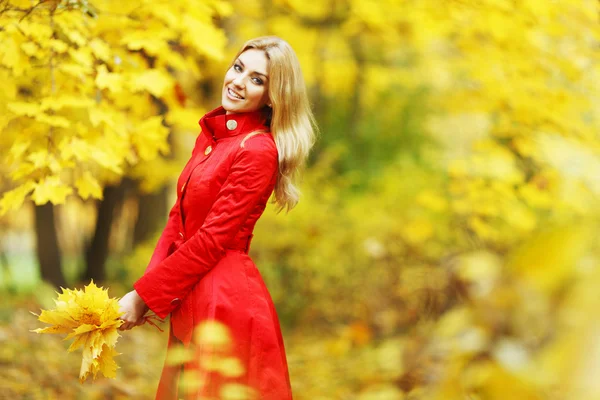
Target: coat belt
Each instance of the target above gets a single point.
(241, 243)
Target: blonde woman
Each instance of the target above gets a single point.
(200, 272)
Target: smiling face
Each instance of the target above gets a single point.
(245, 87)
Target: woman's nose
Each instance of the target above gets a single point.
(239, 81)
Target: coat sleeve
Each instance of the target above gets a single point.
(251, 175)
(168, 236)
(171, 232)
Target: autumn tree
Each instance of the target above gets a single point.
(91, 91)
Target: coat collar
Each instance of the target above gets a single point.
(216, 123)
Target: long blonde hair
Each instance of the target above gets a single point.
(292, 121)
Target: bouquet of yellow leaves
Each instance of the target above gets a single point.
(92, 318)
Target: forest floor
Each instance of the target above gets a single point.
(35, 366)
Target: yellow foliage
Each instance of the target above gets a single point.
(50, 189)
(178, 355)
(88, 186)
(213, 334)
(13, 199)
(496, 384)
(211, 351)
(382, 392)
(546, 261)
(153, 81)
(190, 381)
(417, 232)
(92, 319)
(150, 138)
(498, 316)
(83, 89)
(230, 367)
(111, 81)
(236, 391)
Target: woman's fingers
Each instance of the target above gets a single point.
(128, 324)
(133, 309)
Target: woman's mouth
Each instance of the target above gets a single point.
(234, 95)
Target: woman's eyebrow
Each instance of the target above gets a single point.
(260, 73)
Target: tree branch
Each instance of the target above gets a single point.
(30, 10)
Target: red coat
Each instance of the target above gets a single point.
(200, 270)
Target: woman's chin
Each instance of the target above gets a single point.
(229, 106)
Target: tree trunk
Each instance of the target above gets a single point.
(152, 210)
(97, 250)
(153, 207)
(48, 252)
(361, 66)
(6, 273)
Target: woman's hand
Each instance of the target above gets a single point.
(134, 309)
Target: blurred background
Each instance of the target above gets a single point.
(446, 243)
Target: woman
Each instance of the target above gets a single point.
(200, 270)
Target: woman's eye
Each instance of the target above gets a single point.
(258, 81)
(237, 67)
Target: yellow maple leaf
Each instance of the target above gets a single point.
(185, 119)
(150, 137)
(53, 120)
(152, 45)
(66, 101)
(105, 363)
(18, 148)
(100, 49)
(88, 186)
(154, 81)
(58, 45)
(50, 189)
(91, 318)
(24, 109)
(213, 41)
(107, 80)
(13, 199)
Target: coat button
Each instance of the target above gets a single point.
(183, 187)
(207, 150)
(231, 124)
(181, 234)
(175, 301)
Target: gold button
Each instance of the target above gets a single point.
(183, 187)
(231, 124)
(208, 150)
(181, 234)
